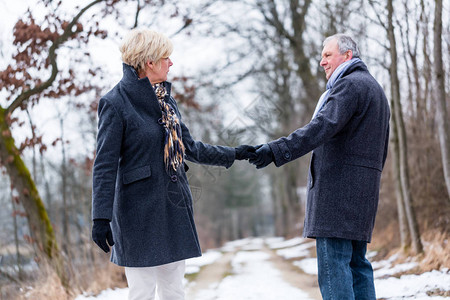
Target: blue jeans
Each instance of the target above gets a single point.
(344, 271)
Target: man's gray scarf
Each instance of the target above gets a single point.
(337, 74)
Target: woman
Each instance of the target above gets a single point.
(142, 202)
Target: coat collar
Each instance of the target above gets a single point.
(131, 80)
(359, 66)
(139, 92)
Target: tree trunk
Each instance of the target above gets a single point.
(41, 230)
(48, 194)
(401, 135)
(65, 219)
(294, 213)
(33, 131)
(299, 49)
(16, 237)
(440, 95)
(402, 222)
(427, 64)
(276, 204)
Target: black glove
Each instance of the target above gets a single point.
(264, 156)
(101, 232)
(245, 152)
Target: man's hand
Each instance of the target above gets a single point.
(245, 152)
(101, 233)
(264, 156)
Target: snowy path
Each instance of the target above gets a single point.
(252, 277)
(274, 268)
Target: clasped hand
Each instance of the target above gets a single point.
(260, 156)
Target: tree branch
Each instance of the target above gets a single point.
(25, 95)
(275, 20)
(380, 22)
(136, 16)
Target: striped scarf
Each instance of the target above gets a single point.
(173, 144)
(337, 74)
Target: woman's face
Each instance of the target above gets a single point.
(158, 71)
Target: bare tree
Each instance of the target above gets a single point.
(402, 220)
(440, 95)
(401, 134)
(33, 41)
(16, 237)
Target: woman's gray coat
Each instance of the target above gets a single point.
(349, 137)
(151, 210)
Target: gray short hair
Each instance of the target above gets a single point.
(345, 43)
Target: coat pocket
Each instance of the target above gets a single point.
(136, 174)
(179, 193)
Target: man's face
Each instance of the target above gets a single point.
(331, 58)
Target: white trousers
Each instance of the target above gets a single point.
(167, 280)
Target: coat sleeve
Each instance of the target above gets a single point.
(109, 139)
(206, 154)
(337, 111)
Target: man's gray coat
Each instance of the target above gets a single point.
(151, 210)
(349, 137)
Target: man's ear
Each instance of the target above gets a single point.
(349, 55)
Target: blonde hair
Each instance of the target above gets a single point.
(142, 45)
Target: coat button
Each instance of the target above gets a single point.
(287, 155)
(174, 178)
(160, 121)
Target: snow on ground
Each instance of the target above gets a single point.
(413, 286)
(302, 250)
(386, 286)
(238, 244)
(308, 265)
(253, 276)
(193, 265)
(389, 270)
(116, 294)
(277, 243)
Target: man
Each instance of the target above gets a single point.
(349, 134)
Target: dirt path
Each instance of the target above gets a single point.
(295, 277)
(211, 275)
